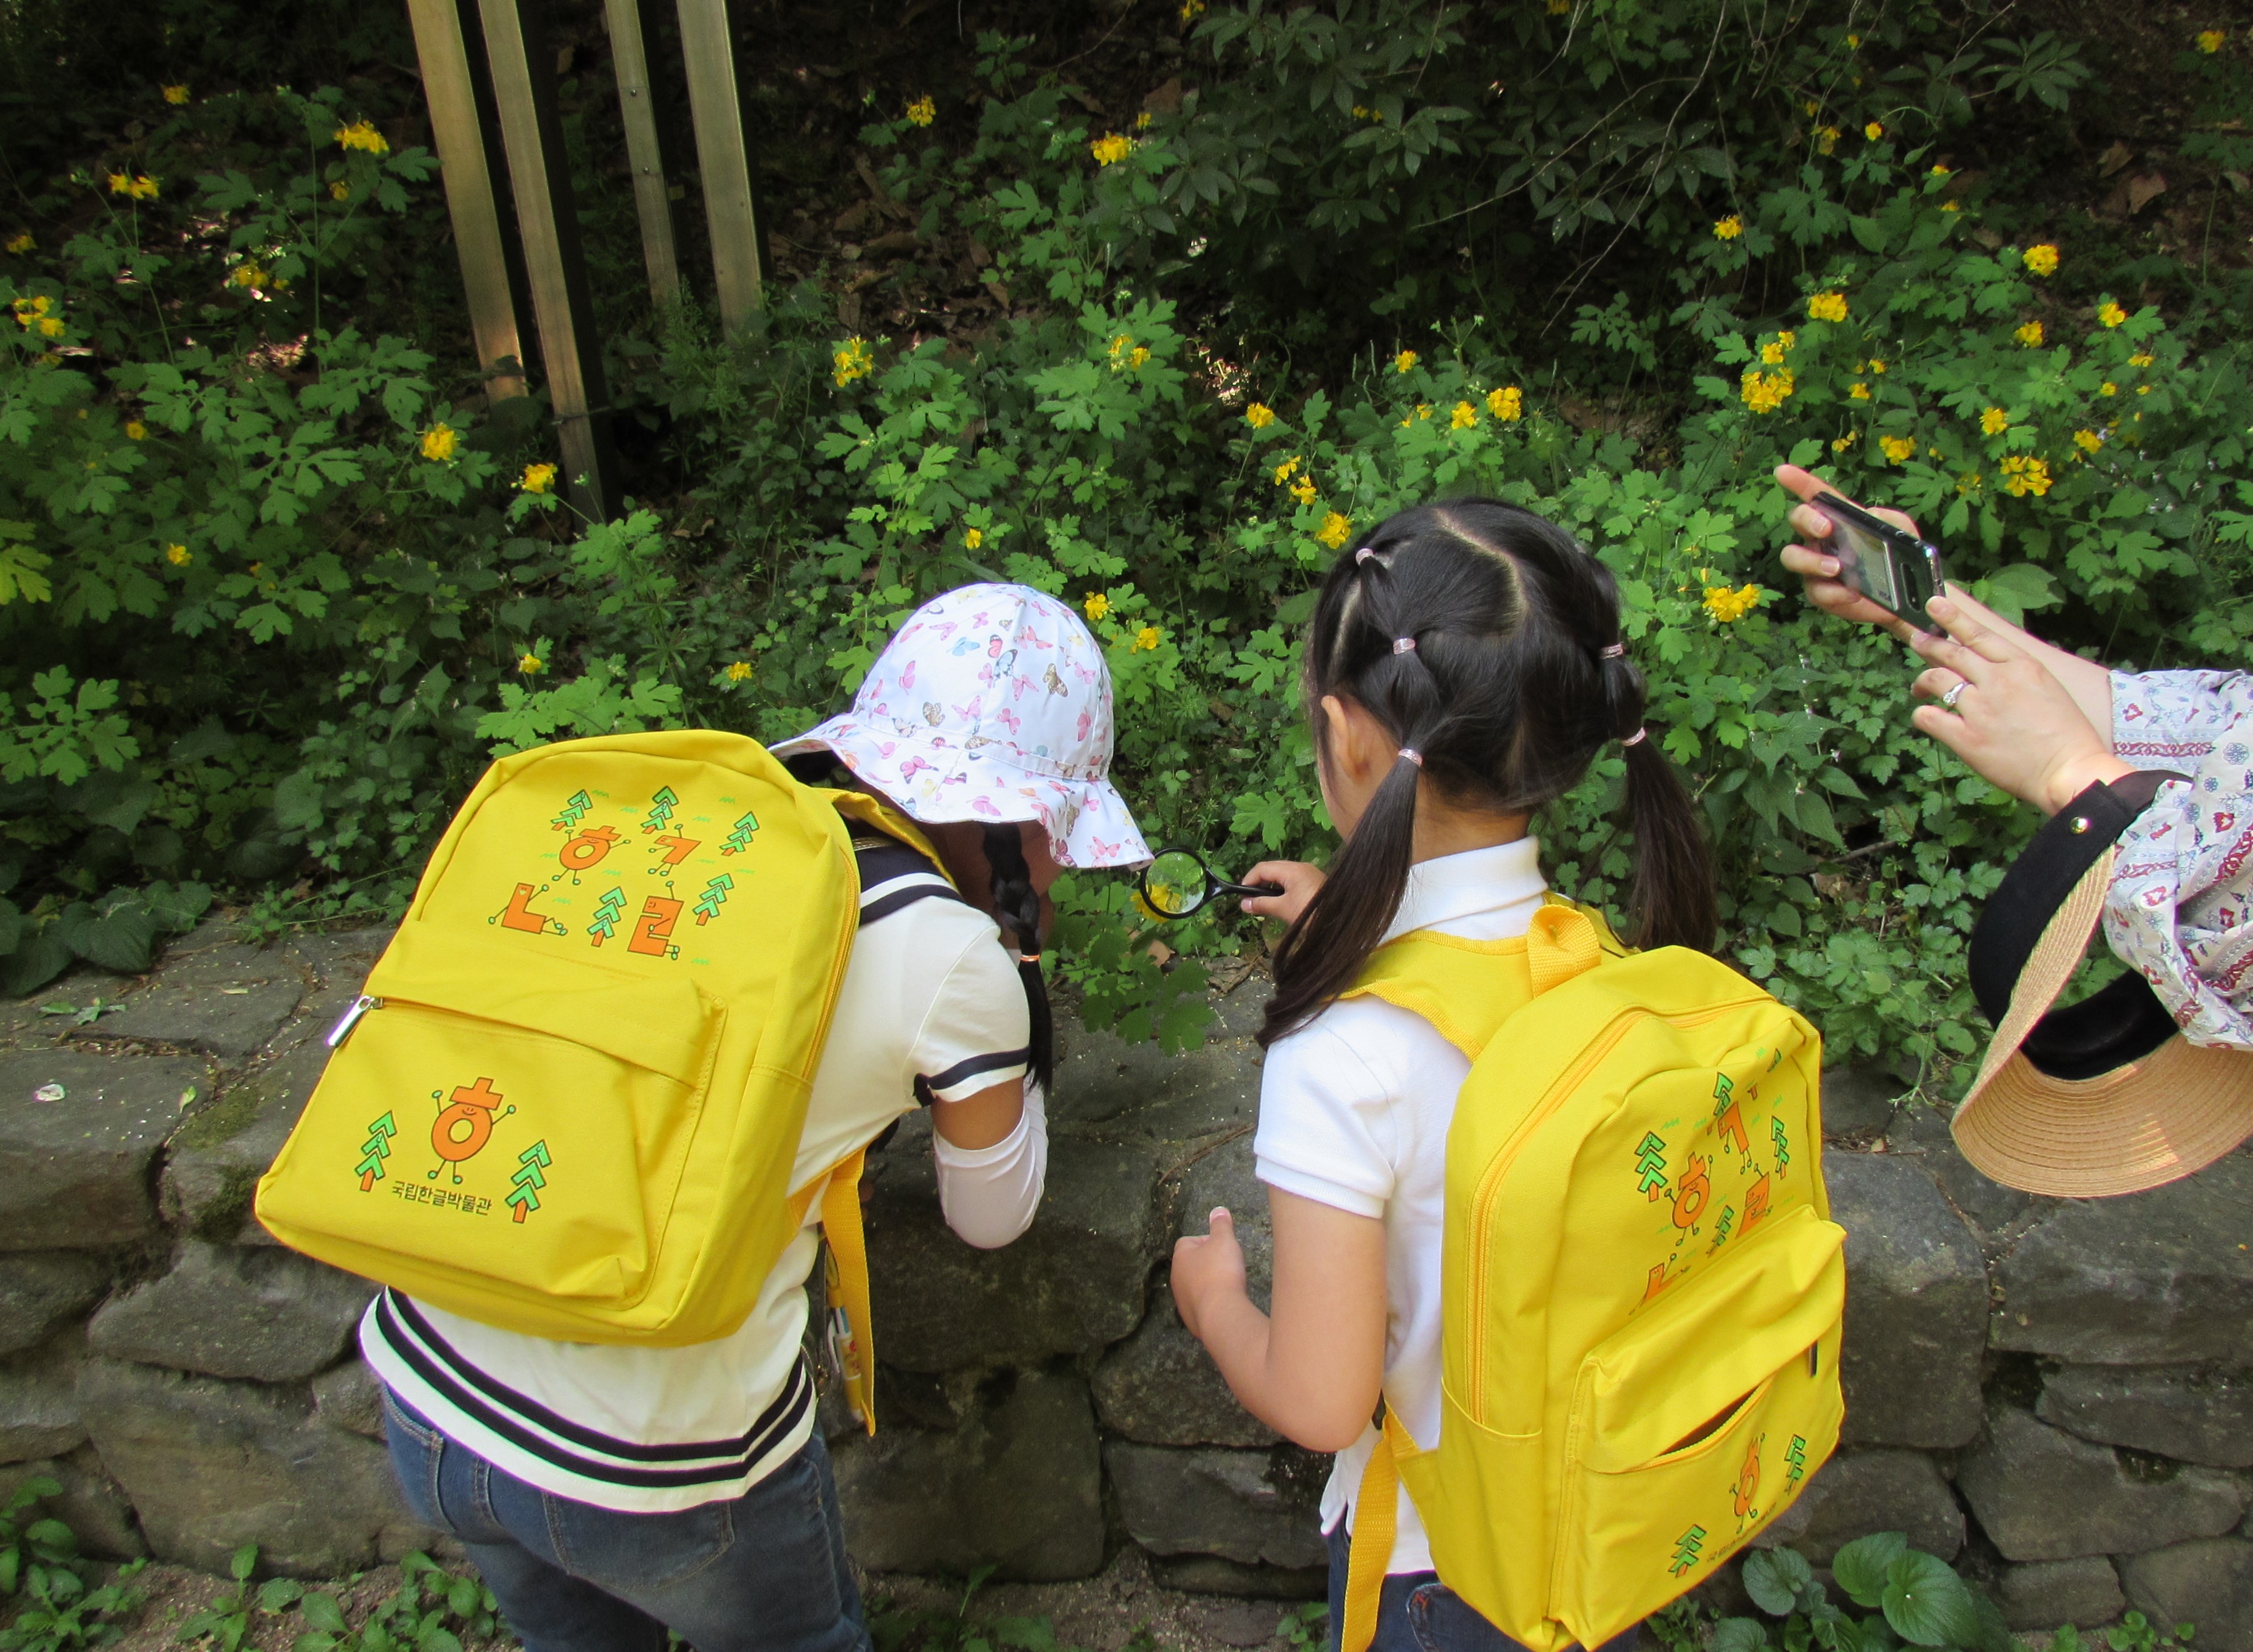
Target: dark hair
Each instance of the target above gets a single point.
(1517, 680)
(1017, 904)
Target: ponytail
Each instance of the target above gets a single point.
(1486, 641)
(1017, 909)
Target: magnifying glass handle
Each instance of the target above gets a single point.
(1260, 889)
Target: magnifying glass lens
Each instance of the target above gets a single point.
(1176, 883)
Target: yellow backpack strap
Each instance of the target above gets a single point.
(1561, 942)
(846, 1272)
(1376, 1519)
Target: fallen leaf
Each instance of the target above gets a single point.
(187, 1098)
(49, 1093)
(2113, 159)
(2145, 189)
(1160, 952)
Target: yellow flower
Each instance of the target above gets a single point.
(1463, 417)
(738, 670)
(1284, 471)
(140, 186)
(362, 135)
(1110, 148)
(1728, 606)
(119, 184)
(851, 360)
(2108, 388)
(136, 431)
(178, 555)
(1765, 392)
(1423, 409)
(1788, 338)
(1951, 207)
(1303, 490)
(1559, 8)
(2040, 260)
(21, 242)
(1146, 639)
(2141, 389)
(246, 276)
(1097, 605)
(2088, 440)
(341, 190)
(1192, 9)
(438, 442)
(1877, 366)
(1141, 357)
(1873, 131)
(1859, 391)
(2209, 40)
(923, 111)
(1405, 361)
(530, 664)
(1143, 122)
(1728, 228)
(1994, 421)
(1899, 449)
(538, 478)
(2030, 335)
(28, 310)
(1337, 528)
(1506, 404)
(1844, 442)
(1772, 354)
(1259, 415)
(1853, 42)
(1827, 139)
(52, 327)
(1939, 170)
(2023, 474)
(1827, 307)
(2110, 314)
(972, 538)
(2141, 358)
(175, 94)
(1967, 482)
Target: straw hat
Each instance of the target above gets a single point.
(992, 703)
(2105, 1096)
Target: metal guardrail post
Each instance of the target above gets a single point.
(475, 198)
(723, 155)
(522, 68)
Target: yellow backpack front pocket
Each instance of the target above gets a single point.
(503, 1127)
(1670, 1461)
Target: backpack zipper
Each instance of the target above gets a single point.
(1491, 1181)
(360, 1006)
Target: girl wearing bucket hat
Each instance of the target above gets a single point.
(610, 1494)
(2149, 784)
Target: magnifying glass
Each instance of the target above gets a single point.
(1178, 883)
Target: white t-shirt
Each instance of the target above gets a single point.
(930, 995)
(1353, 1110)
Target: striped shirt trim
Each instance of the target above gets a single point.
(979, 1072)
(436, 1372)
(889, 896)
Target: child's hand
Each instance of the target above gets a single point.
(1208, 1268)
(1300, 880)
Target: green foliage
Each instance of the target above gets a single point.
(42, 1573)
(431, 1611)
(1918, 1599)
(894, 1627)
(278, 585)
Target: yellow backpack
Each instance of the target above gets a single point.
(569, 1099)
(1642, 1287)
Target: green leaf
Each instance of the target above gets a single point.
(321, 1611)
(1738, 1635)
(2013, 590)
(1774, 1578)
(1860, 1568)
(242, 1562)
(1928, 1604)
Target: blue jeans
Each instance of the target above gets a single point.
(762, 1572)
(1417, 1613)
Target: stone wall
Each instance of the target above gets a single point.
(2056, 1395)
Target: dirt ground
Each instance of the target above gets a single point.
(1120, 1606)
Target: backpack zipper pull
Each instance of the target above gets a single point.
(360, 1006)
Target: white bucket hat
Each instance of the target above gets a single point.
(992, 703)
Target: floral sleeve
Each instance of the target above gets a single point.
(2180, 910)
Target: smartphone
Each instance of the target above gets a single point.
(1898, 571)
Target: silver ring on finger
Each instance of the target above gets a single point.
(1954, 694)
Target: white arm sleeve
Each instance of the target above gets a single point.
(989, 1194)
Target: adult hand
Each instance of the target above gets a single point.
(1207, 1270)
(1299, 882)
(2005, 713)
(1820, 568)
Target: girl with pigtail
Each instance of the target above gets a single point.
(1463, 668)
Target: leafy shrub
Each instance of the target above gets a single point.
(42, 1571)
(278, 587)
